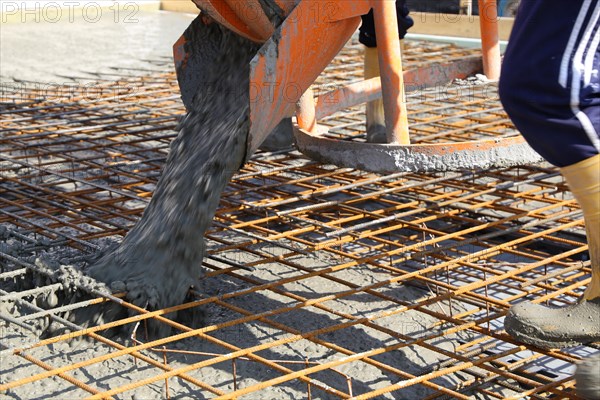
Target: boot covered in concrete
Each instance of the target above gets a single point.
(587, 378)
(580, 323)
(375, 115)
(551, 328)
(376, 132)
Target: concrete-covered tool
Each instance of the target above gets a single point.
(300, 38)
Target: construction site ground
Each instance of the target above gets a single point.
(361, 285)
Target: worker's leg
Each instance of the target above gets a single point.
(375, 116)
(551, 90)
(374, 109)
(583, 179)
(548, 85)
(580, 323)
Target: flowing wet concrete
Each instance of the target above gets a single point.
(161, 257)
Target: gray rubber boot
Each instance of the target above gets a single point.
(374, 109)
(376, 134)
(549, 328)
(587, 377)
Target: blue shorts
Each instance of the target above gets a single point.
(550, 84)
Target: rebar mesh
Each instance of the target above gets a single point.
(362, 285)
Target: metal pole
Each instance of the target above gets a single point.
(490, 46)
(306, 111)
(390, 65)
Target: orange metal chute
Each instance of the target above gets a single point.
(293, 53)
(243, 17)
(289, 63)
(309, 35)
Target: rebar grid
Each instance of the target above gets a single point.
(363, 285)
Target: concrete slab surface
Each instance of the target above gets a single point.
(75, 50)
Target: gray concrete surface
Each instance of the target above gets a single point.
(78, 49)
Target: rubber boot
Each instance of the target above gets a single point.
(281, 138)
(587, 378)
(375, 116)
(580, 323)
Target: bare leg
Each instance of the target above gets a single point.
(580, 323)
